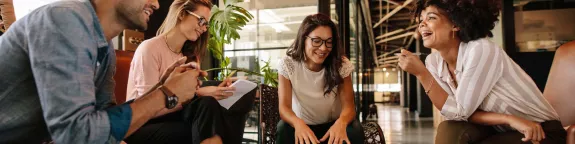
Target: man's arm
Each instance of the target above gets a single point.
(145, 109)
(177, 78)
(62, 56)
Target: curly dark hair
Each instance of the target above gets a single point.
(333, 62)
(475, 18)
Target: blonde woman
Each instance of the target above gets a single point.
(202, 120)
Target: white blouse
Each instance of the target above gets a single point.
(308, 100)
(488, 80)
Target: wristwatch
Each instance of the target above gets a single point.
(171, 98)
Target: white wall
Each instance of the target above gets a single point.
(498, 33)
(384, 81)
(115, 41)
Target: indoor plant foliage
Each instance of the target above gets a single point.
(270, 76)
(224, 26)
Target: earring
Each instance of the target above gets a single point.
(453, 34)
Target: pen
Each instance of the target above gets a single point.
(229, 76)
(417, 54)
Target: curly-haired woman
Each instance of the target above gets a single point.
(486, 97)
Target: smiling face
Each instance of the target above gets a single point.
(435, 27)
(135, 14)
(318, 45)
(190, 24)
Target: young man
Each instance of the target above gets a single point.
(56, 81)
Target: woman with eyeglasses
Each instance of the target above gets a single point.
(183, 35)
(316, 101)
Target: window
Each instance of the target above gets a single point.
(269, 34)
(543, 25)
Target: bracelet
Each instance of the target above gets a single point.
(429, 88)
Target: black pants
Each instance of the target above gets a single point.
(200, 119)
(460, 132)
(286, 133)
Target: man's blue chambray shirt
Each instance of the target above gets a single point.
(56, 79)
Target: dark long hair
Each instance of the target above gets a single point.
(193, 50)
(333, 62)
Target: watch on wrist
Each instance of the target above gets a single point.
(171, 98)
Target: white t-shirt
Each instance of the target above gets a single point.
(308, 100)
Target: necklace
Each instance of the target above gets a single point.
(452, 75)
(166, 40)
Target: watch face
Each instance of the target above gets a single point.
(171, 101)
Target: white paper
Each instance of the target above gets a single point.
(242, 88)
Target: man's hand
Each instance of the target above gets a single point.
(181, 63)
(183, 83)
(182, 79)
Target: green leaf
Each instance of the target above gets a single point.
(226, 62)
(225, 25)
(238, 17)
(244, 12)
(270, 76)
(215, 9)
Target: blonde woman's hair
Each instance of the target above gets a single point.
(194, 50)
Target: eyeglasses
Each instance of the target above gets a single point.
(201, 20)
(317, 42)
